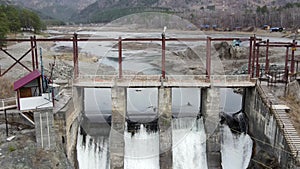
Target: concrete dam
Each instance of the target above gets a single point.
(171, 121)
(125, 135)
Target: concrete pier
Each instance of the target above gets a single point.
(165, 127)
(210, 108)
(116, 145)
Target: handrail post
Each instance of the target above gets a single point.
(75, 55)
(120, 57)
(250, 55)
(253, 56)
(163, 62)
(293, 57)
(32, 52)
(267, 57)
(208, 57)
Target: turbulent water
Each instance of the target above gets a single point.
(188, 139)
(189, 148)
(92, 153)
(189, 144)
(236, 149)
(141, 149)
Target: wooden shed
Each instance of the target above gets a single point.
(29, 92)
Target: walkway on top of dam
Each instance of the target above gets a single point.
(170, 81)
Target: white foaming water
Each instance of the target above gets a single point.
(93, 153)
(141, 150)
(189, 144)
(236, 149)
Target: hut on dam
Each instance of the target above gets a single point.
(30, 93)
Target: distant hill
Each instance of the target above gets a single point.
(5, 2)
(93, 11)
(58, 9)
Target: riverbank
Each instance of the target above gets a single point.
(22, 153)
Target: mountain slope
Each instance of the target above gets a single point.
(88, 11)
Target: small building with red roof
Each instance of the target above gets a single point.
(29, 92)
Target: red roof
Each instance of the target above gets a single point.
(26, 79)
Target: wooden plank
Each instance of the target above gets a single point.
(8, 107)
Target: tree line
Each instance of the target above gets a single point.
(287, 16)
(13, 20)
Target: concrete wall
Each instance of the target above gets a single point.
(45, 135)
(165, 127)
(73, 116)
(210, 109)
(264, 127)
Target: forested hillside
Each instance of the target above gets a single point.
(13, 19)
(226, 14)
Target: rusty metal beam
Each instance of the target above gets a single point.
(257, 62)
(32, 53)
(17, 61)
(186, 39)
(250, 55)
(253, 56)
(163, 58)
(208, 57)
(267, 57)
(286, 64)
(281, 43)
(293, 57)
(120, 57)
(75, 55)
(230, 39)
(36, 53)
